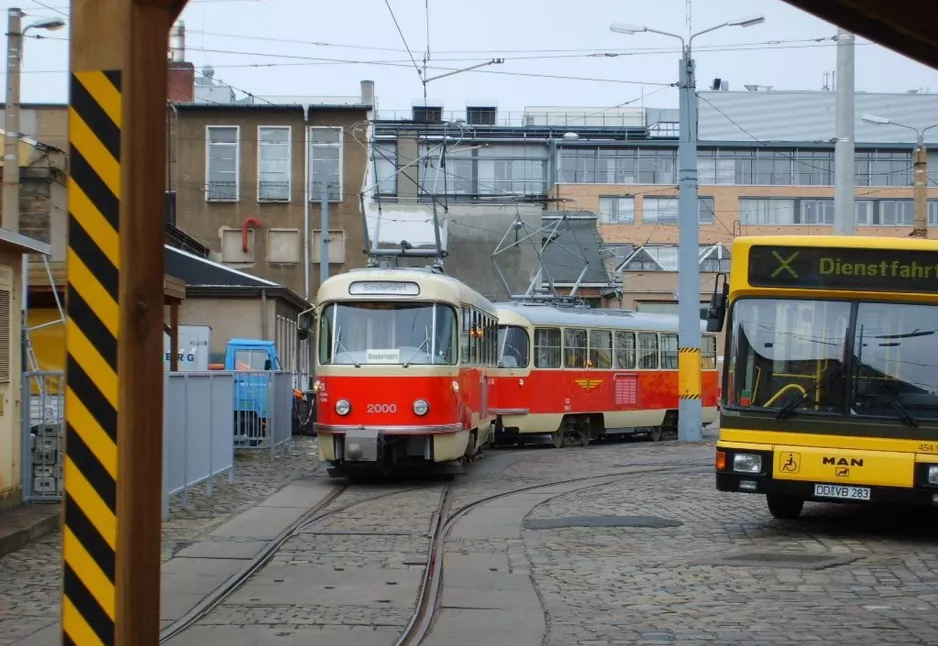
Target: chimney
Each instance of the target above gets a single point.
(181, 77)
(368, 93)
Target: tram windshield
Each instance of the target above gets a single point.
(513, 344)
(369, 333)
(834, 357)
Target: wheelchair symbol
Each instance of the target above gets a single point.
(789, 462)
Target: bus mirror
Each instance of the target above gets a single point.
(717, 312)
(268, 364)
(304, 326)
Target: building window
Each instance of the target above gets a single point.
(883, 168)
(222, 167)
(766, 212)
(325, 159)
(865, 212)
(591, 165)
(385, 167)
(665, 210)
(497, 169)
(617, 210)
(817, 212)
(273, 163)
(892, 213)
(336, 246)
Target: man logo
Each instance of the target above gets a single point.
(843, 462)
(588, 384)
(842, 472)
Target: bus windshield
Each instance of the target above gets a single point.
(513, 343)
(369, 333)
(834, 357)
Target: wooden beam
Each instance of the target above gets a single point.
(117, 154)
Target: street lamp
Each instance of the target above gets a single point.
(920, 166)
(690, 417)
(11, 113)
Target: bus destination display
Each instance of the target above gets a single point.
(843, 268)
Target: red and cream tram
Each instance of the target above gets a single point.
(403, 361)
(588, 373)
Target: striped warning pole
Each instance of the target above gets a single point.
(91, 398)
(114, 329)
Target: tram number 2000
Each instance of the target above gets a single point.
(382, 408)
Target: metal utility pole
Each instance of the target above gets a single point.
(844, 217)
(920, 170)
(690, 409)
(324, 234)
(11, 123)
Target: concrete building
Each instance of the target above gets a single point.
(246, 180)
(43, 193)
(765, 166)
(12, 248)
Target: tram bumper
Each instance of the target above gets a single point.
(361, 445)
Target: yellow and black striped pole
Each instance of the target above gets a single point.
(114, 328)
(91, 399)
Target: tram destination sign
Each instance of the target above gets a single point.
(890, 270)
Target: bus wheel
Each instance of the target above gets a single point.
(657, 432)
(785, 507)
(557, 437)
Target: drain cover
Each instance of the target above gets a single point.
(800, 560)
(601, 521)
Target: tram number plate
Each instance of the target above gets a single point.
(840, 491)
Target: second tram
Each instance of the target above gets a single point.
(403, 363)
(581, 374)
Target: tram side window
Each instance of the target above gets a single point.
(464, 337)
(547, 348)
(474, 341)
(625, 351)
(648, 351)
(669, 352)
(600, 349)
(708, 353)
(490, 342)
(575, 346)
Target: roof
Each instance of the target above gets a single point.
(23, 243)
(891, 24)
(809, 116)
(198, 271)
(547, 315)
(576, 243)
(268, 107)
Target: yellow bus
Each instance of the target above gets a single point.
(830, 382)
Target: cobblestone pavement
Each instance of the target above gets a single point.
(840, 575)
(30, 578)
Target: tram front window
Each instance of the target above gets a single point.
(375, 333)
(788, 354)
(513, 345)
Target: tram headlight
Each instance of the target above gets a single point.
(342, 407)
(933, 475)
(421, 407)
(747, 463)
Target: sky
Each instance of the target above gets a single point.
(549, 47)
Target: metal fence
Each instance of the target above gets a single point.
(43, 446)
(206, 417)
(263, 409)
(197, 431)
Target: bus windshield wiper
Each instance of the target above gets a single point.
(903, 412)
(788, 408)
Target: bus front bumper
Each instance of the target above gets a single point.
(856, 493)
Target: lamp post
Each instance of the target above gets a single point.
(11, 113)
(920, 169)
(690, 413)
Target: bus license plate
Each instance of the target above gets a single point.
(842, 492)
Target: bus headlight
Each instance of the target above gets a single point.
(933, 474)
(421, 407)
(342, 407)
(747, 463)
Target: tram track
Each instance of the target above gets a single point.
(442, 522)
(428, 604)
